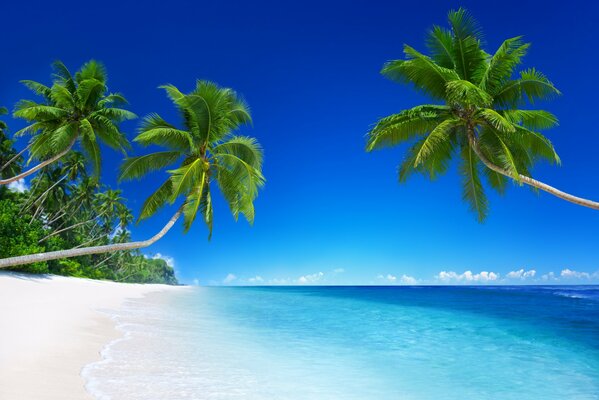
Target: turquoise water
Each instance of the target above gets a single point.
(350, 343)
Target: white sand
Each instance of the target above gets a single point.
(50, 329)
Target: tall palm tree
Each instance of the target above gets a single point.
(477, 113)
(207, 153)
(74, 108)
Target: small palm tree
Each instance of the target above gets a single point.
(8, 155)
(73, 109)
(208, 154)
(478, 113)
(3, 126)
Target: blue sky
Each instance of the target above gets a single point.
(330, 213)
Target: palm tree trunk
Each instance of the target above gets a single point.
(530, 181)
(65, 229)
(49, 189)
(54, 255)
(39, 166)
(15, 157)
(105, 260)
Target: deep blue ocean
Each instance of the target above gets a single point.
(362, 343)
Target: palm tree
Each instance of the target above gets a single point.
(3, 126)
(207, 153)
(73, 109)
(7, 153)
(477, 113)
(71, 168)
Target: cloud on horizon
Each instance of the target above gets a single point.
(521, 274)
(229, 278)
(467, 276)
(310, 279)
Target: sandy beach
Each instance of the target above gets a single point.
(50, 328)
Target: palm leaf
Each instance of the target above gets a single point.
(439, 138)
(422, 71)
(136, 167)
(473, 192)
(156, 200)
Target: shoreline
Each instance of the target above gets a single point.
(52, 327)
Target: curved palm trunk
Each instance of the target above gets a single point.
(65, 229)
(54, 255)
(15, 157)
(530, 181)
(41, 197)
(39, 166)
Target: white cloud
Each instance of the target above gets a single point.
(389, 278)
(196, 282)
(571, 274)
(229, 278)
(170, 261)
(467, 276)
(549, 277)
(312, 278)
(339, 270)
(521, 274)
(279, 281)
(408, 280)
(19, 186)
(256, 279)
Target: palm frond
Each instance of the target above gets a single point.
(245, 148)
(439, 138)
(468, 56)
(496, 120)
(440, 44)
(136, 167)
(155, 130)
(156, 200)
(531, 119)
(90, 145)
(473, 192)
(422, 71)
(37, 88)
(501, 66)
(193, 201)
(466, 93)
(531, 86)
(397, 128)
(185, 177)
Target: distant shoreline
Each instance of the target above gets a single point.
(51, 330)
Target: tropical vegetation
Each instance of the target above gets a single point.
(478, 113)
(74, 109)
(66, 208)
(68, 213)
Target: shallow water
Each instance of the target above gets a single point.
(350, 343)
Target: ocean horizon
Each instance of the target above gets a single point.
(354, 342)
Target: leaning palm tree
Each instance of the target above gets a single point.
(207, 153)
(478, 113)
(74, 108)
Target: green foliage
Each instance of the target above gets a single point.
(18, 237)
(481, 96)
(74, 108)
(206, 150)
(7, 151)
(65, 208)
